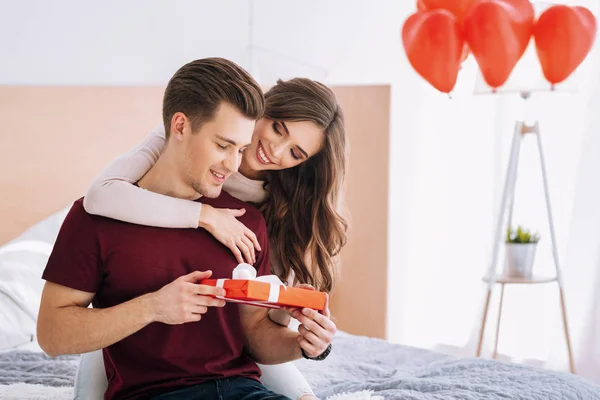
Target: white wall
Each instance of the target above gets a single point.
(113, 42)
(69, 42)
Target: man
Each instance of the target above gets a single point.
(163, 333)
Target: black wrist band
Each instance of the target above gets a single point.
(320, 357)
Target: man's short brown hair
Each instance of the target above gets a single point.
(198, 88)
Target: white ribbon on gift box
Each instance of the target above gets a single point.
(248, 272)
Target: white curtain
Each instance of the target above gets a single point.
(448, 163)
(582, 258)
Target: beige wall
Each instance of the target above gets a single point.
(360, 302)
(54, 140)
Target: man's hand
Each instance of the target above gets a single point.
(67, 326)
(184, 300)
(317, 330)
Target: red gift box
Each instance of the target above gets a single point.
(265, 294)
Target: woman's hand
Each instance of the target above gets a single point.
(222, 223)
(317, 329)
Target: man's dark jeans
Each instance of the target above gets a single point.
(224, 389)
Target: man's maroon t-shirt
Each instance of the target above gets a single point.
(120, 261)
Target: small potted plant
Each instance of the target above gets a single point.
(520, 252)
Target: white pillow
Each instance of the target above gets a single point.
(14, 324)
(21, 266)
(22, 262)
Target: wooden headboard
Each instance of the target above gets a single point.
(55, 140)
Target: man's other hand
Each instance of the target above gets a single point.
(185, 300)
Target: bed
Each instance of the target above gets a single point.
(360, 367)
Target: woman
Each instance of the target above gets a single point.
(293, 171)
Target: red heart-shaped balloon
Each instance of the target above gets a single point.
(524, 9)
(563, 38)
(498, 34)
(434, 44)
(460, 8)
(523, 16)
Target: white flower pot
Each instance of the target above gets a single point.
(519, 259)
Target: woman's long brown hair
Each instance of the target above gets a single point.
(304, 221)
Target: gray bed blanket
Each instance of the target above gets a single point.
(37, 368)
(400, 372)
(360, 363)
